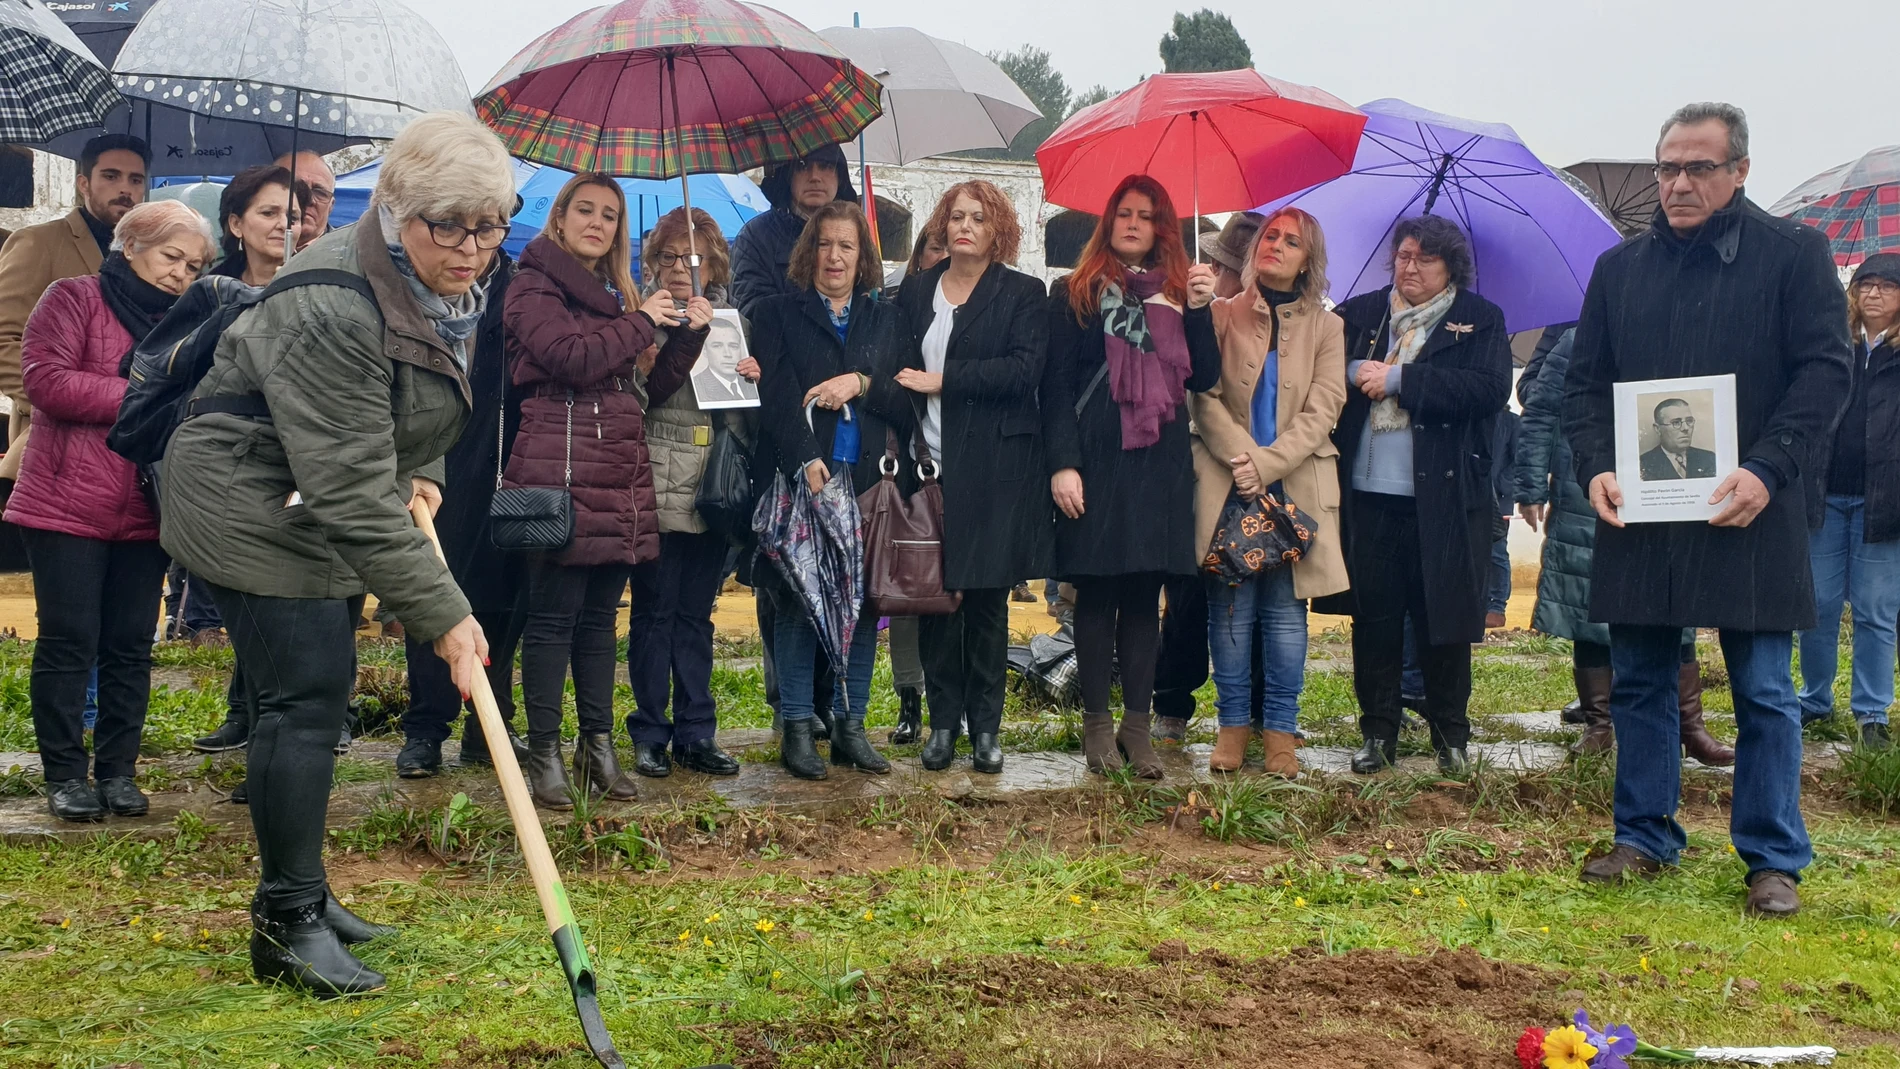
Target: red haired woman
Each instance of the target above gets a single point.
(1130, 334)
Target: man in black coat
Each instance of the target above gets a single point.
(762, 252)
(1674, 457)
(1716, 286)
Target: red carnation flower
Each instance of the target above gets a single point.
(1530, 1049)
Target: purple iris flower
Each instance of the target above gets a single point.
(1613, 1044)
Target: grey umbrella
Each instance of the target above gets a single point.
(939, 96)
(1626, 189)
(49, 82)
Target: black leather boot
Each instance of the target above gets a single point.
(122, 797)
(850, 749)
(1375, 755)
(986, 755)
(74, 800)
(597, 767)
(419, 759)
(651, 760)
(823, 723)
(547, 776)
(910, 717)
(940, 749)
(474, 753)
(348, 927)
(796, 752)
(230, 735)
(298, 947)
(706, 758)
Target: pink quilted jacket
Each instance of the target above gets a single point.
(69, 481)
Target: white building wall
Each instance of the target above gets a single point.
(52, 193)
(918, 186)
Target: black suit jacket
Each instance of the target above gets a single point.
(1657, 468)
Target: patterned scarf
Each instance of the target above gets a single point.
(1412, 327)
(453, 322)
(1146, 346)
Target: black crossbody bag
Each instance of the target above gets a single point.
(532, 517)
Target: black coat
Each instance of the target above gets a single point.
(996, 503)
(797, 348)
(489, 577)
(760, 256)
(1138, 504)
(1877, 379)
(1751, 295)
(1453, 391)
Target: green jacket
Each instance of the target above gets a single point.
(360, 402)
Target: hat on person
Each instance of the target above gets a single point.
(1884, 265)
(1229, 247)
(777, 186)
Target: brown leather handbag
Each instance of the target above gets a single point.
(903, 539)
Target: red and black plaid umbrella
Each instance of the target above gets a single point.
(1857, 205)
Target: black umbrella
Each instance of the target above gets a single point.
(49, 83)
(103, 25)
(1625, 188)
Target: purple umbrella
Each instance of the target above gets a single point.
(1535, 239)
(816, 542)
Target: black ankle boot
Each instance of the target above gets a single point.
(348, 927)
(651, 760)
(474, 753)
(75, 800)
(910, 717)
(986, 754)
(850, 749)
(823, 722)
(298, 947)
(419, 759)
(1375, 755)
(796, 752)
(597, 767)
(941, 749)
(230, 735)
(547, 776)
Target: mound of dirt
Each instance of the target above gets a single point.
(1359, 1010)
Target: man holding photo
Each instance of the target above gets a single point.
(1674, 457)
(1716, 286)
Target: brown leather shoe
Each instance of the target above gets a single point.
(1772, 895)
(1593, 700)
(1281, 760)
(1230, 749)
(1621, 863)
(1696, 740)
(1136, 746)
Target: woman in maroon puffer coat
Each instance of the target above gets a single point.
(572, 347)
(91, 535)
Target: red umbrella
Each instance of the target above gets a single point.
(1237, 139)
(668, 88)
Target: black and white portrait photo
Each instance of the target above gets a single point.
(1674, 421)
(716, 379)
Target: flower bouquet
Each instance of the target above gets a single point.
(1579, 1045)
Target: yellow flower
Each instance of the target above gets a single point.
(685, 935)
(1216, 885)
(1731, 848)
(1462, 904)
(1075, 900)
(1643, 963)
(776, 974)
(1095, 909)
(65, 923)
(868, 915)
(1545, 929)
(158, 937)
(765, 926)
(1418, 892)
(706, 940)
(714, 919)
(1568, 1048)
(1390, 845)
(1286, 883)
(1298, 901)
(137, 919)
(204, 933)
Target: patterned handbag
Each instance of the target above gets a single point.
(1256, 536)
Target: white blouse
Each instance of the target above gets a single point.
(936, 345)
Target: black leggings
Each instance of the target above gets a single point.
(98, 603)
(1117, 616)
(570, 621)
(299, 657)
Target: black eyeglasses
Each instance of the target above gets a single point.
(1695, 169)
(670, 258)
(452, 235)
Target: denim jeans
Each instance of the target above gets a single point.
(1500, 575)
(1263, 611)
(1765, 821)
(1865, 575)
(796, 645)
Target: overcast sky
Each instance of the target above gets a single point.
(1577, 79)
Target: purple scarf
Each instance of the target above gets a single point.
(1146, 346)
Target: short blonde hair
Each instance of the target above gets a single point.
(155, 221)
(1312, 279)
(446, 166)
(715, 257)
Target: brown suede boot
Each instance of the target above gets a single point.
(1281, 760)
(1136, 746)
(1098, 743)
(1593, 698)
(1230, 749)
(1696, 740)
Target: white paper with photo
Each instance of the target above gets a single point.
(1675, 443)
(716, 379)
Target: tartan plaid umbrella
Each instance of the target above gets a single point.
(1857, 205)
(668, 88)
(49, 83)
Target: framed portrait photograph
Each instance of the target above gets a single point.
(716, 379)
(1675, 443)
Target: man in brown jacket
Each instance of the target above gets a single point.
(111, 180)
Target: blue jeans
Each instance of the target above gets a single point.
(1261, 610)
(795, 647)
(91, 715)
(1500, 575)
(1765, 821)
(1865, 575)
(1411, 675)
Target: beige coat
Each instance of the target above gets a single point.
(1302, 456)
(31, 260)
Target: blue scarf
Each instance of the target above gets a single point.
(453, 322)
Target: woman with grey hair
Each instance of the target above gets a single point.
(327, 409)
(1428, 370)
